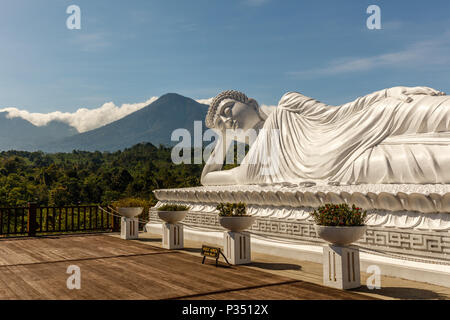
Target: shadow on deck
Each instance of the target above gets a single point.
(112, 268)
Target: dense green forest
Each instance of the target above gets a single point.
(84, 177)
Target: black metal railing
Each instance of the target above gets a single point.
(34, 220)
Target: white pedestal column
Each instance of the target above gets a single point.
(341, 267)
(129, 228)
(236, 247)
(173, 236)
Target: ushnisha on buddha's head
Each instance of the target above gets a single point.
(232, 110)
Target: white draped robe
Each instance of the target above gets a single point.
(375, 139)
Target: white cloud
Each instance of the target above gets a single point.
(83, 119)
(423, 53)
(205, 101)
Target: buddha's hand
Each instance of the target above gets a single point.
(405, 93)
(422, 90)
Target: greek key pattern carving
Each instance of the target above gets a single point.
(409, 242)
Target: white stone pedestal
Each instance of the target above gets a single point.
(236, 247)
(173, 236)
(341, 267)
(129, 228)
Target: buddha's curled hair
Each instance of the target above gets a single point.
(229, 94)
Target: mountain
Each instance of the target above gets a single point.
(153, 123)
(19, 134)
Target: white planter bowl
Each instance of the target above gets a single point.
(172, 216)
(341, 236)
(130, 212)
(236, 224)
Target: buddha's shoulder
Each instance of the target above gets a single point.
(292, 96)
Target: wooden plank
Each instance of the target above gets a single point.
(112, 268)
(298, 290)
(55, 248)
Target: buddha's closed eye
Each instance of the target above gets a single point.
(227, 111)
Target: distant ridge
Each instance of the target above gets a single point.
(153, 123)
(19, 134)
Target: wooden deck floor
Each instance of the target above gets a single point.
(111, 268)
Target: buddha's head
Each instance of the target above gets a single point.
(233, 110)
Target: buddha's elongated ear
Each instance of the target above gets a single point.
(253, 103)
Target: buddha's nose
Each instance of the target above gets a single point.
(228, 123)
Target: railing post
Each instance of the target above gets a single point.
(31, 223)
(115, 224)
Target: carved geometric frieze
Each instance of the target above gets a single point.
(427, 244)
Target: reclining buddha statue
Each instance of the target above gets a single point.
(399, 135)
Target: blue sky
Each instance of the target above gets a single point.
(130, 51)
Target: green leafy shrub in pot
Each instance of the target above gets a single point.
(339, 215)
(173, 207)
(172, 213)
(232, 209)
(134, 203)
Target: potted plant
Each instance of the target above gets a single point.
(130, 207)
(172, 213)
(233, 216)
(339, 224)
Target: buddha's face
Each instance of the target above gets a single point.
(235, 115)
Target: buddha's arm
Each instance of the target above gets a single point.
(401, 93)
(224, 177)
(311, 107)
(212, 174)
(367, 100)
